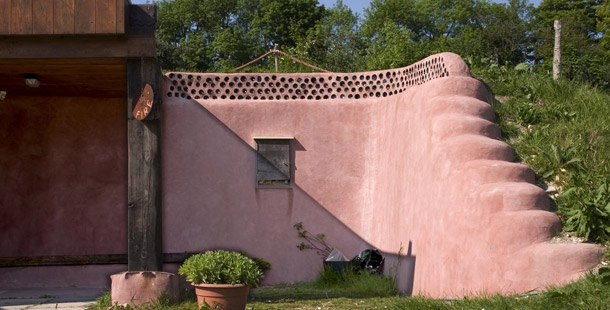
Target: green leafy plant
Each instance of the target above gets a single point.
(221, 267)
(262, 264)
(312, 242)
(527, 112)
(604, 275)
(560, 160)
(589, 217)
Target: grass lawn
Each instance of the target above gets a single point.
(371, 292)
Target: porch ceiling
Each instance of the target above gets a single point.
(64, 77)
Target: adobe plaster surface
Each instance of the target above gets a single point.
(419, 165)
(63, 186)
(63, 176)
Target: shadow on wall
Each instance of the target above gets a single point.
(401, 266)
(211, 201)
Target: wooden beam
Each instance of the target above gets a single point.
(71, 260)
(105, 16)
(43, 17)
(5, 17)
(62, 260)
(121, 15)
(76, 47)
(63, 17)
(139, 41)
(144, 247)
(84, 16)
(21, 17)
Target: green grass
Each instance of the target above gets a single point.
(330, 285)
(362, 292)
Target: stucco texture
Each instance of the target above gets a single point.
(63, 176)
(419, 172)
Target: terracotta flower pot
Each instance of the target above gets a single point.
(222, 296)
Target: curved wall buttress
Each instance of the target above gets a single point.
(475, 219)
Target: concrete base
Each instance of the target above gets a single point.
(140, 287)
(48, 298)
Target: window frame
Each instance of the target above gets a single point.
(290, 156)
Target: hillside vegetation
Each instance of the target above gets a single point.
(562, 130)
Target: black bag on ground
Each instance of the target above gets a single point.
(369, 260)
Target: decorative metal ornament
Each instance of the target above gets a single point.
(144, 104)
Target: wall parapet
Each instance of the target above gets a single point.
(313, 86)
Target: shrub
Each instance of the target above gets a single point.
(221, 267)
(588, 213)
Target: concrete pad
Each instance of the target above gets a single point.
(14, 308)
(48, 298)
(22, 301)
(62, 306)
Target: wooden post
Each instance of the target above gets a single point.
(144, 251)
(557, 51)
(275, 49)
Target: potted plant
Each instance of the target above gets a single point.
(221, 278)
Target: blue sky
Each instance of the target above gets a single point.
(356, 5)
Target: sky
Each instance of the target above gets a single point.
(357, 6)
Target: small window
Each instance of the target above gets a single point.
(273, 166)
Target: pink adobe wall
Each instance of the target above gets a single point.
(63, 176)
(210, 200)
(420, 167)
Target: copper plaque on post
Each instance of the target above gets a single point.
(144, 104)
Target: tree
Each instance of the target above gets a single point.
(393, 47)
(471, 28)
(583, 55)
(403, 31)
(504, 30)
(334, 43)
(602, 12)
(381, 12)
(204, 35)
(284, 22)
